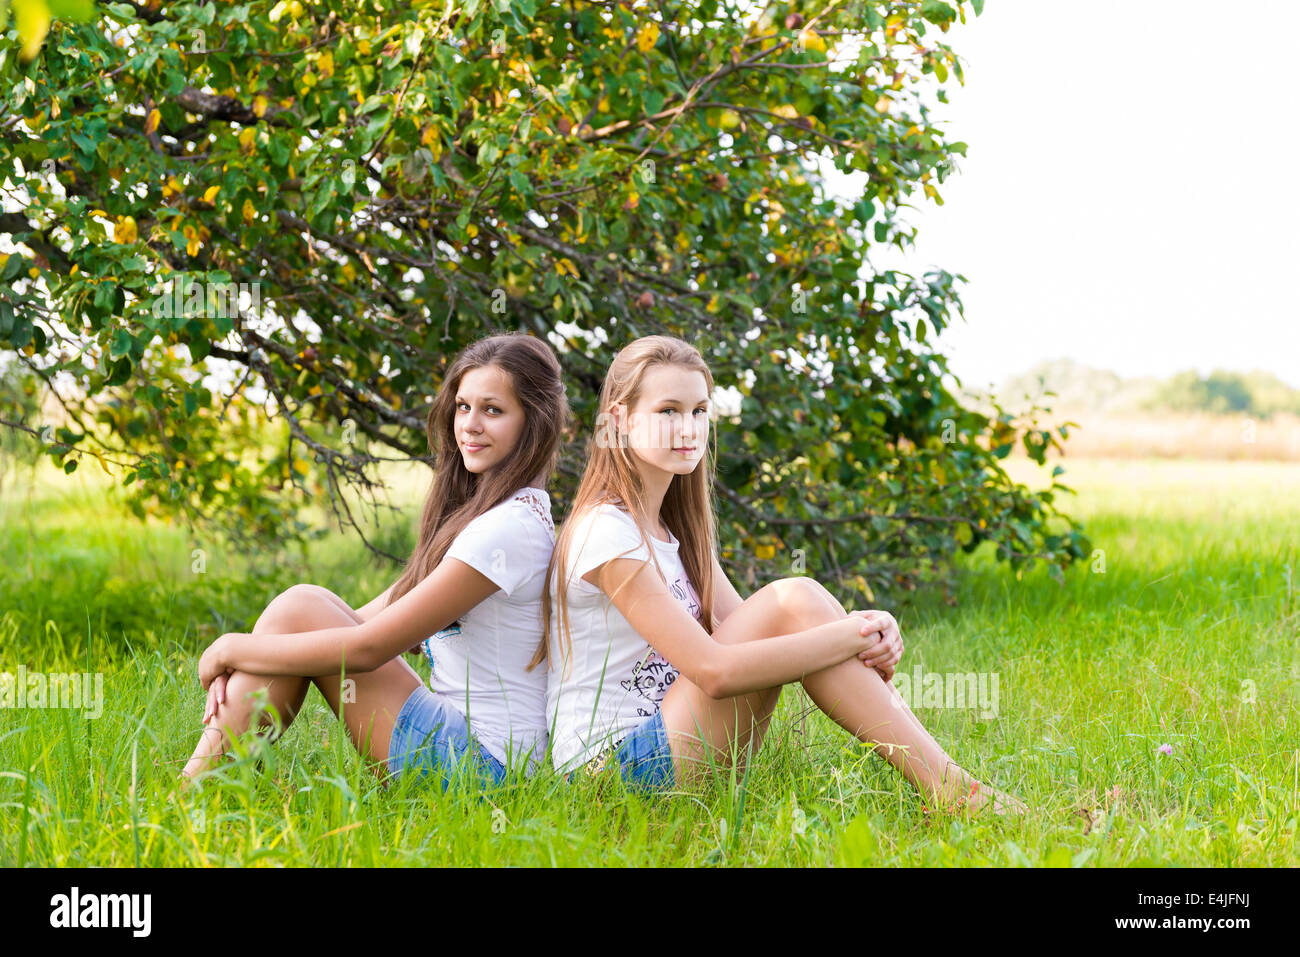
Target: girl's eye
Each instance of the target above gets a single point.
(668, 411)
(705, 411)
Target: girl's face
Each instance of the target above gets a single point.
(668, 428)
(489, 418)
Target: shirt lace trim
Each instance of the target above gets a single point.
(538, 507)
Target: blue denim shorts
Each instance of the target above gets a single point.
(644, 758)
(431, 735)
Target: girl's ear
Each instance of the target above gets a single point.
(611, 427)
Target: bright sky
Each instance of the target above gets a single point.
(1130, 197)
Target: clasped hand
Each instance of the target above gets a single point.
(888, 650)
(213, 674)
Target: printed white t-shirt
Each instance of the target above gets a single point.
(614, 679)
(478, 661)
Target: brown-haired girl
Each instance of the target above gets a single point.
(470, 596)
(680, 667)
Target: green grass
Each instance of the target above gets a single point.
(1188, 637)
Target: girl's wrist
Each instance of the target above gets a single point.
(226, 652)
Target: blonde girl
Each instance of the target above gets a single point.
(656, 663)
(470, 597)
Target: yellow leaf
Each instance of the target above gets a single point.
(810, 40)
(249, 211)
(765, 551)
(363, 47)
(210, 194)
(172, 188)
(246, 137)
(125, 230)
(471, 230)
(32, 18)
(647, 37)
(603, 105)
(300, 466)
(325, 63)
(260, 104)
(309, 79)
(151, 121)
(429, 135)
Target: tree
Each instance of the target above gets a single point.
(252, 220)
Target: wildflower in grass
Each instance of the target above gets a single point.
(1166, 749)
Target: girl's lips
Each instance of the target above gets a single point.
(471, 447)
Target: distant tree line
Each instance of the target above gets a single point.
(1253, 393)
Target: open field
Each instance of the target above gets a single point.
(1180, 435)
(1181, 632)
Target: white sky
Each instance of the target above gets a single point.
(1130, 196)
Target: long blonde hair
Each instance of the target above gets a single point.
(457, 496)
(687, 508)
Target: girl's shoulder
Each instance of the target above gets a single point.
(529, 506)
(535, 502)
(602, 512)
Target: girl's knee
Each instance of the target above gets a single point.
(803, 600)
(298, 607)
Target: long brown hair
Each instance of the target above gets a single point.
(457, 495)
(687, 509)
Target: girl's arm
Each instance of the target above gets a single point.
(372, 607)
(448, 592)
(725, 597)
(722, 671)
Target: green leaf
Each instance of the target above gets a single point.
(120, 373)
(121, 344)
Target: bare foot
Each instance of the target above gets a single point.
(998, 802)
(980, 798)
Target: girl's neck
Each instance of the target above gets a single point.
(655, 482)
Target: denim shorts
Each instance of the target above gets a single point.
(644, 758)
(431, 735)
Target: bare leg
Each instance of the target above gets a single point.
(368, 702)
(854, 696)
(711, 730)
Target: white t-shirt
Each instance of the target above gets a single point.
(614, 679)
(478, 661)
